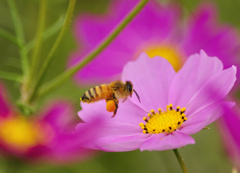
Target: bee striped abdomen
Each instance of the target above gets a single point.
(95, 94)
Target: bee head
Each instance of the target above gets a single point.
(130, 89)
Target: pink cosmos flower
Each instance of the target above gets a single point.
(149, 125)
(156, 30)
(50, 136)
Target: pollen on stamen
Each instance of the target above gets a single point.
(178, 108)
(142, 126)
(164, 121)
(182, 110)
(167, 107)
(153, 112)
(145, 119)
(144, 131)
(149, 115)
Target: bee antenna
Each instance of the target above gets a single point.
(137, 96)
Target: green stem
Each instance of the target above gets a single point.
(10, 76)
(48, 33)
(103, 44)
(20, 36)
(9, 37)
(180, 160)
(37, 50)
(49, 58)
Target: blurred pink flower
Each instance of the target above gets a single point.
(157, 30)
(189, 108)
(50, 136)
(229, 126)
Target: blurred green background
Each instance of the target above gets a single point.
(207, 155)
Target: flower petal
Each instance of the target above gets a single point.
(59, 115)
(205, 32)
(94, 110)
(72, 146)
(156, 21)
(117, 136)
(151, 79)
(192, 77)
(205, 116)
(143, 30)
(127, 112)
(4, 105)
(162, 141)
(121, 143)
(220, 84)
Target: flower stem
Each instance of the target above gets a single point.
(20, 36)
(53, 29)
(102, 45)
(37, 49)
(180, 160)
(49, 57)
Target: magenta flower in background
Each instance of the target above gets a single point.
(50, 136)
(149, 125)
(229, 126)
(156, 30)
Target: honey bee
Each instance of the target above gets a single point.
(111, 92)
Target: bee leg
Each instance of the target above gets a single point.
(115, 111)
(124, 100)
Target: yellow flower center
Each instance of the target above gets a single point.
(169, 52)
(164, 121)
(22, 134)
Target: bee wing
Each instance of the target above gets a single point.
(115, 88)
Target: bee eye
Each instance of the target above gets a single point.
(129, 88)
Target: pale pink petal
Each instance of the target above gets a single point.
(109, 128)
(130, 113)
(122, 143)
(204, 117)
(94, 110)
(115, 132)
(192, 77)
(127, 112)
(151, 79)
(221, 84)
(165, 141)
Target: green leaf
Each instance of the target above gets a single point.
(10, 37)
(10, 76)
(19, 36)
